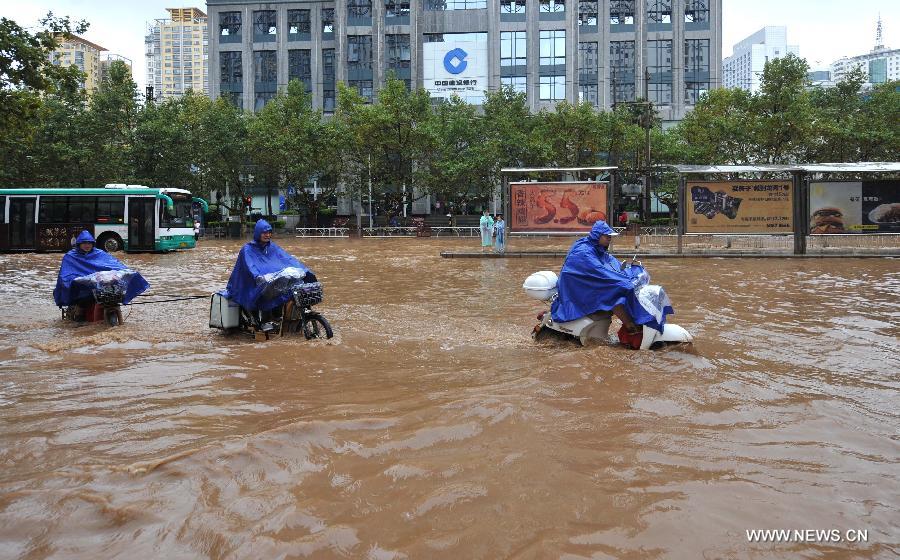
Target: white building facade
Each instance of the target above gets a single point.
(744, 68)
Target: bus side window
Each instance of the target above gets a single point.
(53, 210)
(82, 209)
(111, 209)
(2, 209)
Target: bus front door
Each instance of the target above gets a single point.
(21, 223)
(141, 218)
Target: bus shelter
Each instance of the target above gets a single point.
(557, 200)
(842, 205)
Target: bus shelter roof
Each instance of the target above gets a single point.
(857, 167)
(514, 170)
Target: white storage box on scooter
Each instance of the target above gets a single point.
(223, 314)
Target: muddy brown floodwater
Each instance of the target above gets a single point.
(432, 426)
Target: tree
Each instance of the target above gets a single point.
(784, 115)
(837, 120)
(509, 125)
(459, 164)
(26, 73)
(719, 130)
(570, 135)
(281, 139)
(110, 126)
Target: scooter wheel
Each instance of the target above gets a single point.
(316, 326)
(540, 333)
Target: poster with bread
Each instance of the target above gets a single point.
(562, 207)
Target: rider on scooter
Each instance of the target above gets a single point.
(85, 259)
(593, 281)
(258, 260)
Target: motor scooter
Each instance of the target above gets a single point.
(542, 286)
(296, 315)
(108, 288)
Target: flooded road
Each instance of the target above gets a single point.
(431, 426)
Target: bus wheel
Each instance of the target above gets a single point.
(110, 242)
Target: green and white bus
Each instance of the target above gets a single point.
(129, 217)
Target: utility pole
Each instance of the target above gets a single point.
(647, 113)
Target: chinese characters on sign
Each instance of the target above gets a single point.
(573, 206)
(854, 207)
(740, 207)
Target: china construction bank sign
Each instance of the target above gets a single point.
(456, 67)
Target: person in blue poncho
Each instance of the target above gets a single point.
(258, 265)
(592, 280)
(84, 260)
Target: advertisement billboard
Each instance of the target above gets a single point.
(457, 67)
(854, 207)
(739, 207)
(559, 207)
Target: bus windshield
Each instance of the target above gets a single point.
(180, 216)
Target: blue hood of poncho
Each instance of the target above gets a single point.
(592, 280)
(255, 260)
(601, 228)
(76, 264)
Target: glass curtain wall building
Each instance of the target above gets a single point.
(599, 51)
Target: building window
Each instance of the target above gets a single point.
(262, 97)
(696, 11)
(512, 48)
(512, 6)
(265, 70)
(359, 9)
(300, 67)
(659, 56)
(661, 94)
(396, 8)
(359, 52)
(517, 83)
(553, 48)
(696, 55)
(621, 70)
(328, 81)
(327, 20)
(264, 24)
(621, 12)
(589, 93)
(588, 62)
(230, 68)
(553, 88)
(230, 24)
(438, 5)
(693, 91)
(299, 22)
(397, 51)
(587, 12)
(364, 87)
(549, 6)
(659, 11)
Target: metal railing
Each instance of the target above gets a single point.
(454, 231)
(323, 232)
(390, 231)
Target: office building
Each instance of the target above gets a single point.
(880, 65)
(177, 54)
(744, 68)
(81, 53)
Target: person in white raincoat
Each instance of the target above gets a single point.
(487, 231)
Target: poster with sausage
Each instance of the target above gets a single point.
(759, 206)
(854, 207)
(560, 207)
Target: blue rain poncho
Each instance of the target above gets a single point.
(263, 272)
(77, 274)
(500, 232)
(593, 280)
(487, 230)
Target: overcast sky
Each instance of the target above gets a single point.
(824, 31)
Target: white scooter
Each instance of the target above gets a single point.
(542, 286)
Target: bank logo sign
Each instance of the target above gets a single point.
(455, 61)
(456, 68)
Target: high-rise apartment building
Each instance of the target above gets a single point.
(81, 53)
(107, 59)
(600, 51)
(744, 68)
(177, 53)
